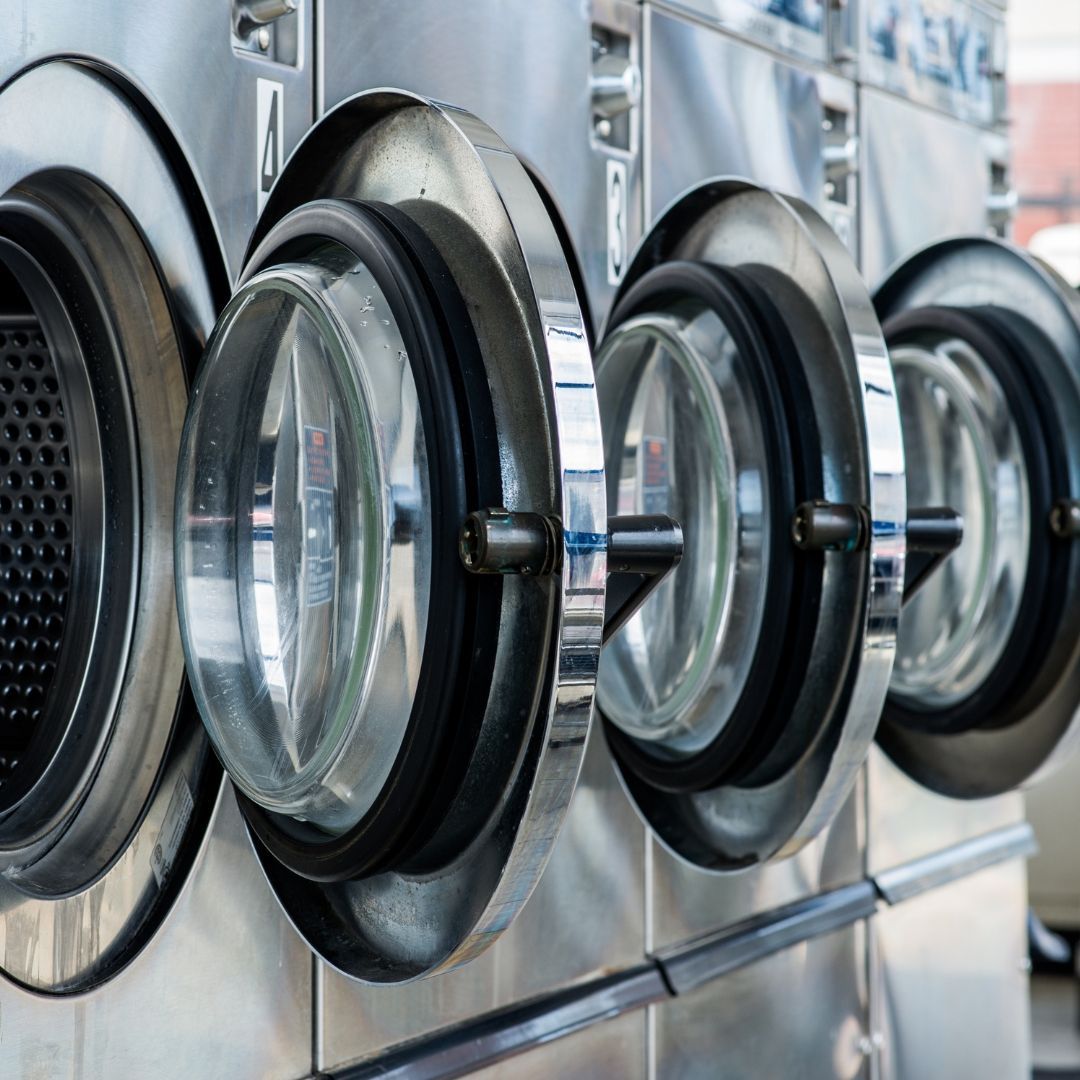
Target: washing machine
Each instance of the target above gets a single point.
(131, 904)
(983, 700)
(672, 859)
(419, 539)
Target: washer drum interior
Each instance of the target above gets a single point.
(106, 779)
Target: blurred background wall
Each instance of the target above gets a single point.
(1044, 106)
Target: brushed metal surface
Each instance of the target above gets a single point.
(685, 902)
(949, 55)
(798, 27)
(179, 55)
(949, 980)
(586, 917)
(906, 821)
(615, 1048)
(774, 1019)
(715, 106)
(527, 76)
(223, 990)
(908, 199)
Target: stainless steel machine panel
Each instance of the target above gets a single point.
(168, 51)
(971, 1018)
(224, 990)
(905, 205)
(529, 78)
(718, 107)
(586, 917)
(684, 903)
(944, 53)
(799, 27)
(906, 820)
(613, 1048)
(798, 1028)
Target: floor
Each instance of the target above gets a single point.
(1055, 1027)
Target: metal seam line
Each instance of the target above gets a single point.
(681, 969)
(689, 967)
(508, 1033)
(932, 871)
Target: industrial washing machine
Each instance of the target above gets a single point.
(634, 898)
(983, 700)
(409, 515)
(134, 920)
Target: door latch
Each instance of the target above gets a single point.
(642, 549)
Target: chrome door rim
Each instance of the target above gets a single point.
(730, 222)
(127, 901)
(455, 178)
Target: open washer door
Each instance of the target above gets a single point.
(745, 390)
(110, 278)
(985, 344)
(405, 347)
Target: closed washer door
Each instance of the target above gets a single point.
(985, 342)
(405, 348)
(745, 390)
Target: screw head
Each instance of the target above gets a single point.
(263, 38)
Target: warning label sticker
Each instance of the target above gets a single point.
(655, 480)
(318, 516)
(173, 827)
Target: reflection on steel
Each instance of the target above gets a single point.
(460, 183)
(499, 541)
(1065, 518)
(902, 882)
(124, 796)
(690, 966)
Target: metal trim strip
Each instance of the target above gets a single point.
(690, 966)
(498, 1036)
(932, 871)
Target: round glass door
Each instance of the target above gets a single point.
(306, 563)
(396, 725)
(986, 349)
(721, 694)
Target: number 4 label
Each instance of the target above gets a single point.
(270, 96)
(616, 221)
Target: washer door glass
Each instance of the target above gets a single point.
(985, 344)
(963, 450)
(305, 561)
(685, 436)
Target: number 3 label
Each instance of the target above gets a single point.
(616, 221)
